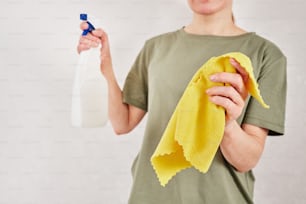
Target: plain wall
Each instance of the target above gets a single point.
(43, 160)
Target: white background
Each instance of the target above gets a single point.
(43, 160)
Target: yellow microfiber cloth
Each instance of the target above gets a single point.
(196, 128)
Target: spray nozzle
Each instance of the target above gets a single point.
(90, 28)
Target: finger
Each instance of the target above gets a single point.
(88, 41)
(103, 37)
(231, 109)
(84, 25)
(92, 38)
(95, 35)
(226, 103)
(82, 47)
(227, 92)
(240, 69)
(230, 78)
(98, 32)
(98, 36)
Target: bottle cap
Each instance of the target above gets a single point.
(83, 16)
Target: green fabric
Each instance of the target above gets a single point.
(155, 84)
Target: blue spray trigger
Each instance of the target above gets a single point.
(90, 28)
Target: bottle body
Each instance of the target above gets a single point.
(89, 95)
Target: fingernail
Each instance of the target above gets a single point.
(213, 77)
(233, 61)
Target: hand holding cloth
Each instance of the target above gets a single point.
(195, 130)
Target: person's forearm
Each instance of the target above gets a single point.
(118, 111)
(242, 149)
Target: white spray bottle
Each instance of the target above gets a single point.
(89, 94)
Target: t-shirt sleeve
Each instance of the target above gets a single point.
(272, 84)
(135, 89)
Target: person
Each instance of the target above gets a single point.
(156, 82)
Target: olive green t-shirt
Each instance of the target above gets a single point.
(155, 84)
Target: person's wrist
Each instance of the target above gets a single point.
(230, 127)
(109, 76)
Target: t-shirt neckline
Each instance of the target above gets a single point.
(220, 37)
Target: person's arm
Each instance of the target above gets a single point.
(241, 146)
(123, 117)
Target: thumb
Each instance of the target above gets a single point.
(102, 35)
(241, 70)
(105, 54)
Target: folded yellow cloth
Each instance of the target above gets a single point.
(196, 128)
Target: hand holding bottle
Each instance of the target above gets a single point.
(89, 40)
(92, 40)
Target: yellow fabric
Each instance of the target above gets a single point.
(196, 127)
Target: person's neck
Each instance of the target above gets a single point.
(219, 25)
